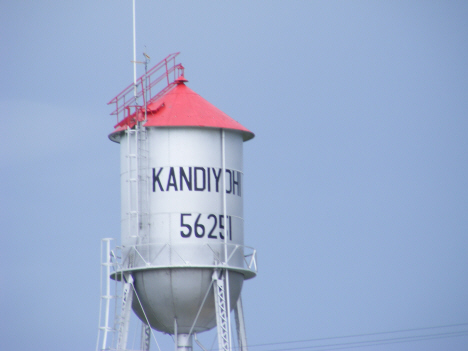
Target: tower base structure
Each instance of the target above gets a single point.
(118, 293)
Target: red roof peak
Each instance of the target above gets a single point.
(182, 107)
(181, 80)
(176, 105)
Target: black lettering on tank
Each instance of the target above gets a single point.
(197, 179)
(157, 180)
(210, 235)
(217, 177)
(230, 181)
(171, 180)
(236, 183)
(183, 176)
(221, 226)
(196, 176)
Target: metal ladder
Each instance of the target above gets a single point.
(116, 337)
(133, 182)
(108, 333)
(137, 165)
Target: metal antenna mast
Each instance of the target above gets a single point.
(134, 53)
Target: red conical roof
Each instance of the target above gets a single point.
(182, 107)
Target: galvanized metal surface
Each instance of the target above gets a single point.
(240, 326)
(183, 222)
(182, 212)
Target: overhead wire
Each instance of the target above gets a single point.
(357, 335)
(376, 342)
(367, 342)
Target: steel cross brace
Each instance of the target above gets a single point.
(127, 297)
(221, 310)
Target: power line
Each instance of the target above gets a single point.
(366, 343)
(359, 335)
(396, 342)
(376, 342)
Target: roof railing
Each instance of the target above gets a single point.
(127, 101)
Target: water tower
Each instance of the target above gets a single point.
(182, 260)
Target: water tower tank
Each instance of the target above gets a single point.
(182, 220)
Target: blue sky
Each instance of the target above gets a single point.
(356, 192)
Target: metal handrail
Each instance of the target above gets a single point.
(136, 253)
(127, 97)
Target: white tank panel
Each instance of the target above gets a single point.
(186, 197)
(182, 228)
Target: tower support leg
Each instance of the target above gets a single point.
(127, 297)
(240, 325)
(222, 320)
(145, 337)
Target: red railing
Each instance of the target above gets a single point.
(127, 102)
